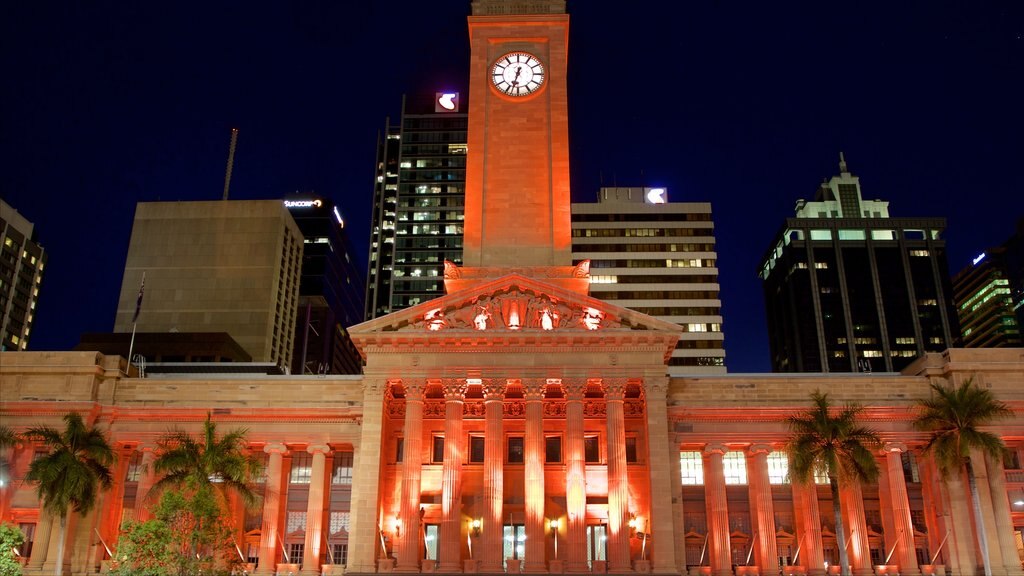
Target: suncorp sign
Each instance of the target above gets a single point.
(303, 203)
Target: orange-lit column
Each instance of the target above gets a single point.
(719, 550)
(533, 394)
(408, 547)
(936, 512)
(805, 508)
(618, 482)
(271, 509)
(110, 509)
(314, 544)
(575, 476)
(147, 477)
(905, 554)
(494, 476)
(20, 457)
(852, 501)
(364, 537)
(663, 485)
(762, 509)
(1003, 517)
(450, 550)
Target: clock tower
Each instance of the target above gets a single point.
(517, 173)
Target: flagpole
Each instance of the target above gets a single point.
(135, 319)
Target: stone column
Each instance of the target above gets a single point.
(313, 547)
(575, 476)
(905, 554)
(995, 554)
(111, 505)
(936, 511)
(492, 542)
(408, 547)
(660, 452)
(147, 477)
(618, 481)
(450, 549)
(533, 394)
(852, 502)
(962, 543)
(678, 512)
(805, 508)
(42, 543)
(1004, 520)
(269, 543)
(762, 509)
(719, 547)
(364, 536)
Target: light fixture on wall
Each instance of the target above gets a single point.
(398, 527)
(553, 525)
(476, 524)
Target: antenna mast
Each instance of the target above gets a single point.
(231, 162)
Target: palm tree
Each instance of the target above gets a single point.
(70, 476)
(831, 441)
(954, 415)
(7, 439)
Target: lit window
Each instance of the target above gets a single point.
(691, 468)
(340, 521)
(778, 468)
(296, 521)
(919, 253)
(734, 466)
(821, 265)
(342, 468)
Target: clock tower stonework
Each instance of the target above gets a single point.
(517, 176)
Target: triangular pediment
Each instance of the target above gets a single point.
(513, 306)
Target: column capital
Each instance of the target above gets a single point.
(712, 449)
(655, 388)
(574, 388)
(755, 449)
(275, 448)
(454, 389)
(493, 388)
(318, 449)
(614, 388)
(414, 388)
(894, 447)
(534, 388)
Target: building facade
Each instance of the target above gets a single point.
(22, 260)
(849, 289)
(656, 257)
(418, 203)
(224, 266)
(331, 290)
(989, 295)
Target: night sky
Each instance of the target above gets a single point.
(743, 104)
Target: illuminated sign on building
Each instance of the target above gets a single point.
(656, 196)
(446, 102)
(337, 215)
(978, 258)
(303, 203)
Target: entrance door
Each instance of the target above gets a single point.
(514, 542)
(597, 543)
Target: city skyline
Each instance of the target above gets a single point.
(745, 109)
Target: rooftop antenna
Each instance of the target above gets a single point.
(842, 163)
(231, 162)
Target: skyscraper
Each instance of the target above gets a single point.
(656, 257)
(331, 290)
(418, 203)
(225, 266)
(989, 295)
(849, 289)
(22, 260)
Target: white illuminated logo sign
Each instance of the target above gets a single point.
(978, 258)
(337, 215)
(303, 203)
(446, 102)
(656, 196)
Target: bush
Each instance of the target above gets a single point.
(10, 538)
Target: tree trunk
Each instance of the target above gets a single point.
(979, 520)
(844, 561)
(61, 538)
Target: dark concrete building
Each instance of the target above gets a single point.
(989, 295)
(850, 289)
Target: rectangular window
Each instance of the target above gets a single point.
(553, 449)
(692, 468)
(339, 521)
(631, 455)
(295, 551)
(29, 530)
(778, 468)
(910, 470)
(295, 521)
(591, 450)
(302, 468)
(437, 451)
(734, 466)
(516, 450)
(134, 468)
(339, 554)
(476, 449)
(430, 539)
(342, 473)
(399, 449)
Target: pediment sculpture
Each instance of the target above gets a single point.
(514, 310)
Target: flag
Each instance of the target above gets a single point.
(138, 303)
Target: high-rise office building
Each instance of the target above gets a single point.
(849, 289)
(22, 260)
(331, 290)
(989, 295)
(656, 257)
(418, 203)
(223, 266)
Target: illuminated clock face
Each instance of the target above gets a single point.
(518, 74)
